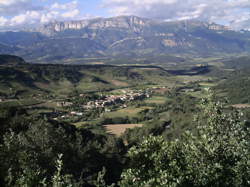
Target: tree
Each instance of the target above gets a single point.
(27, 155)
(218, 155)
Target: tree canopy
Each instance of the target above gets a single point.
(217, 155)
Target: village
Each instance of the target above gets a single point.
(106, 103)
(81, 106)
(110, 100)
(118, 99)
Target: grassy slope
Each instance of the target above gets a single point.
(61, 80)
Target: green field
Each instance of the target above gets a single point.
(119, 129)
(21, 102)
(130, 112)
(156, 100)
(207, 84)
(197, 94)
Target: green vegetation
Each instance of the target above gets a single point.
(129, 112)
(156, 100)
(217, 153)
(236, 87)
(102, 125)
(37, 143)
(22, 80)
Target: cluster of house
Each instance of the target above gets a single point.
(56, 115)
(76, 113)
(114, 100)
(64, 104)
(117, 99)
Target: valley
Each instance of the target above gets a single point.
(100, 111)
(90, 95)
(125, 101)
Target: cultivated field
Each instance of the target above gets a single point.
(119, 129)
(130, 112)
(156, 100)
(241, 105)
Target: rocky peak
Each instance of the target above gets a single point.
(213, 26)
(129, 23)
(123, 22)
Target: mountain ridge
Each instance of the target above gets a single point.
(95, 23)
(123, 37)
(125, 22)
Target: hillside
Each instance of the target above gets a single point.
(10, 60)
(61, 132)
(236, 87)
(123, 37)
(22, 79)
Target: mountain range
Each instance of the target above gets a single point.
(123, 36)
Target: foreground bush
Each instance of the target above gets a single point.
(218, 155)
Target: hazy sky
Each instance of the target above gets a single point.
(18, 13)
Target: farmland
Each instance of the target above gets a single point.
(100, 94)
(119, 129)
(95, 114)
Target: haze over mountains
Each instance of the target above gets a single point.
(123, 36)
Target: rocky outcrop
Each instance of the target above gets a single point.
(217, 27)
(128, 23)
(133, 23)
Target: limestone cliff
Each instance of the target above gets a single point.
(133, 23)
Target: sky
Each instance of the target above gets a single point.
(24, 13)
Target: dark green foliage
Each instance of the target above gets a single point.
(236, 87)
(10, 75)
(238, 62)
(49, 73)
(170, 119)
(35, 148)
(12, 118)
(10, 60)
(217, 156)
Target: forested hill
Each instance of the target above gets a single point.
(236, 87)
(10, 60)
(24, 78)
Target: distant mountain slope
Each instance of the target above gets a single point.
(6, 49)
(129, 36)
(9, 60)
